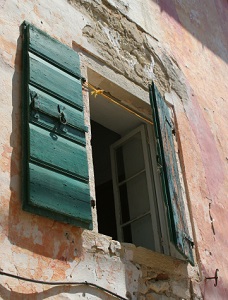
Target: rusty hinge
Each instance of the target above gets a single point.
(189, 240)
(171, 126)
(93, 203)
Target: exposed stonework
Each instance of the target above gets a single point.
(154, 285)
(128, 49)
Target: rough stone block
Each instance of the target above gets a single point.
(153, 296)
(159, 286)
(180, 289)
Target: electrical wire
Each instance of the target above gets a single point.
(63, 283)
(101, 92)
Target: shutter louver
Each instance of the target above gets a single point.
(55, 168)
(170, 175)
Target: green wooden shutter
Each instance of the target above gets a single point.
(55, 168)
(167, 162)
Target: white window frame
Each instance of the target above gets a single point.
(157, 207)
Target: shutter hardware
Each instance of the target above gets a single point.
(93, 203)
(62, 117)
(35, 103)
(108, 96)
(215, 277)
(189, 240)
(36, 106)
(171, 126)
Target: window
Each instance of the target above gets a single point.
(126, 198)
(138, 191)
(127, 152)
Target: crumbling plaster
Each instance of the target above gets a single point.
(139, 47)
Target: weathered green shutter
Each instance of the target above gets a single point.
(55, 168)
(167, 162)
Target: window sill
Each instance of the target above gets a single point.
(155, 260)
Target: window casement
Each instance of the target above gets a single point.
(136, 207)
(130, 203)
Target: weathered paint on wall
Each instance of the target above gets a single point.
(183, 47)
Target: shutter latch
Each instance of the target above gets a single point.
(62, 116)
(35, 103)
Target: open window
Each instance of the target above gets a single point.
(129, 207)
(138, 190)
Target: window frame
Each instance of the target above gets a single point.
(156, 210)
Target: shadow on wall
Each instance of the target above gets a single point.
(37, 234)
(206, 21)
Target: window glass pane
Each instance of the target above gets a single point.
(124, 202)
(140, 233)
(130, 158)
(134, 198)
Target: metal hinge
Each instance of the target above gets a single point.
(93, 203)
(171, 126)
(189, 240)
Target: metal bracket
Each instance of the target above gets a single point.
(215, 277)
(93, 203)
(83, 80)
(34, 101)
(33, 95)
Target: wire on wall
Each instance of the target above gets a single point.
(63, 283)
(96, 91)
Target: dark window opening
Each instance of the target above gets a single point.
(102, 139)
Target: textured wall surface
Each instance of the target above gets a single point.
(182, 46)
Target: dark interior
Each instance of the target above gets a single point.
(102, 139)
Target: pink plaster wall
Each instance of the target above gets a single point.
(196, 34)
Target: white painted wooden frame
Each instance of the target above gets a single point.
(159, 223)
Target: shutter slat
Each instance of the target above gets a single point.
(57, 152)
(52, 80)
(53, 51)
(55, 167)
(170, 174)
(57, 192)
